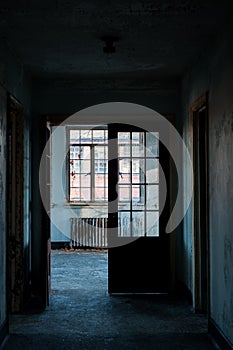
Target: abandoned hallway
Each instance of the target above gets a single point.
(82, 315)
(116, 116)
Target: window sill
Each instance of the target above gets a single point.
(86, 204)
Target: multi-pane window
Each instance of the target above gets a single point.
(138, 184)
(138, 180)
(88, 165)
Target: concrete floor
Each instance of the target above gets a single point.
(83, 316)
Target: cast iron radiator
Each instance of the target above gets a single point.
(88, 232)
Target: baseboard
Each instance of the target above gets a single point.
(60, 245)
(4, 331)
(218, 337)
(66, 245)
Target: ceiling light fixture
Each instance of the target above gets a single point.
(109, 41)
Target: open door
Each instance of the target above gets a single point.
(139, 249)
(47, 219)
(45, 183)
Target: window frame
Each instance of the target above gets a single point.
(92, 146)
(143, 181)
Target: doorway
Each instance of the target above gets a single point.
(18, 213)
(199, 122)
(143, 265)
(78, 214)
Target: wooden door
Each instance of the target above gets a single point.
(47, 218)
(45, 184)
(139, 249)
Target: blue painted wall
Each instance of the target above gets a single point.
(213, 73)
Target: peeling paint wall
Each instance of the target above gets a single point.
(213, 73)
(3, 306)
(13, 81)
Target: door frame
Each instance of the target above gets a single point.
(163, 241)
(17, 261)
(45, 240)
(201, 268)
(57, 120)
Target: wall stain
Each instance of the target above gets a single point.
(228, 260)
(224, 126)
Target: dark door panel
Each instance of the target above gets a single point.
(142, 266)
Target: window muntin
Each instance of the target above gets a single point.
(138, 184)
(88, 165)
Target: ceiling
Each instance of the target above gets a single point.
(156, 38)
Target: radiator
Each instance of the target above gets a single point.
(88, 232)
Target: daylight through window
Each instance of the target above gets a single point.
(88, 165)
